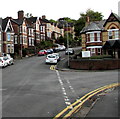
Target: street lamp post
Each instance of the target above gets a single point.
(67, 44)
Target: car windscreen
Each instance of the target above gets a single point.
(51, 56)
(41, 51)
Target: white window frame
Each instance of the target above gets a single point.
(12, 48)
(8, 48)
(92, 37)
(116, 34)
(29, 41)
(8, 33)
(21, 39)
(32, 42)
(98, 36)
(112, 33)
(16, 39)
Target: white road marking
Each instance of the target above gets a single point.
(66, 99)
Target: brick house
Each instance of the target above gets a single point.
(52, 31)
(8, 36)
(48, 28)
(111, 35)
(35, 26)
(95, 34)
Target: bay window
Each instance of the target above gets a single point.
(93, 36)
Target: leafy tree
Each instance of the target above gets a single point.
(53, 21)
(80, 23)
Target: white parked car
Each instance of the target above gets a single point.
(69, 51)
(9, 59)
(62, 47)
(51, 58)
(3, 62)
(57, 55)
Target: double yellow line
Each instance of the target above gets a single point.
(53, 67)
(78, 104)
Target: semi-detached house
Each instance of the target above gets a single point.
(8, 36)
(96, 34)
(25, 34)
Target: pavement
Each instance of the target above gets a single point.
(108, 104)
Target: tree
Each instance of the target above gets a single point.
(53, 21)
(80, 23)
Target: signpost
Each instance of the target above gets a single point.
(86, 54)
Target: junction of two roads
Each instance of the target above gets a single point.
(30, 88)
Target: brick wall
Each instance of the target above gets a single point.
(99, 64)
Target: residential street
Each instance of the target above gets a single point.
(31, 89)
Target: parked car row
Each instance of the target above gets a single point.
(45, 52)
(6, 60)
(51, 50)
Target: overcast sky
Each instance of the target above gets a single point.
(55, 9)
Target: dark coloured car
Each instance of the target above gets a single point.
(49, 51)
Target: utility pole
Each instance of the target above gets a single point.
(67, 44)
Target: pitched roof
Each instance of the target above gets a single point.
(45, 20)
(93, 26)
(4, 23)
(29, 23)
(114, 17)
(32, 19)
(118, 17)
(0, 24)
(18, 21)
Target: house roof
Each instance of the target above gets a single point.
(0, 24)
(93, 26)
(29, 23)
(32, 19)
(118, 17)
(4, 23)
(18, 21)
(112, 17)
(45, 20)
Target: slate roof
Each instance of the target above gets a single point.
(4, 23)
(29, 23)
(45, 21)
(98, 25)
(18, 21)
(94, 26)
(0, 24)
(32, 19)
(118, 17)
(115, 15)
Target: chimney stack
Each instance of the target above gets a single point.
(87, 21)
(43, 17)
(20, 14)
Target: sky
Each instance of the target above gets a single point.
(55, 9)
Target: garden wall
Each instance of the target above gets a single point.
(95, 64)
